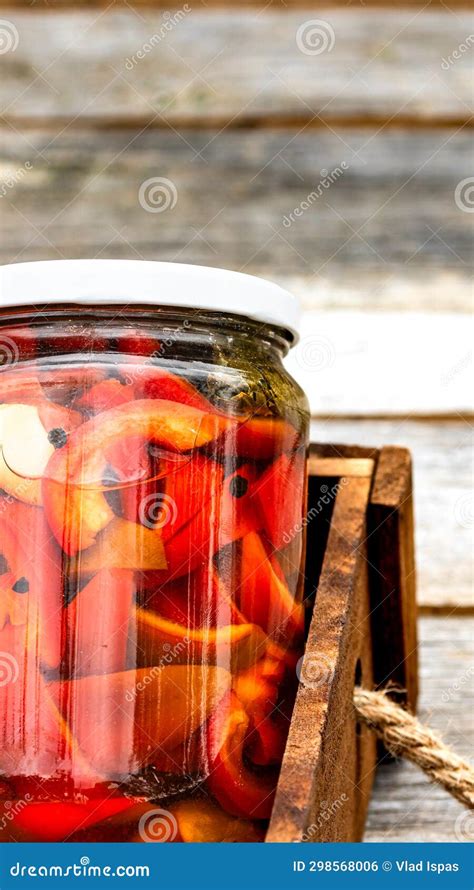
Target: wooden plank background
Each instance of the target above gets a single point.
(245, 125)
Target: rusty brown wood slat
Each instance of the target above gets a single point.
(316, 768)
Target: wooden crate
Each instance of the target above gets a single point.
(360, 580)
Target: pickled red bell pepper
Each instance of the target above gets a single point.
(123, 545)
(158, 383)
(237, 645)
(228, 516)
(121, 722)
(72, 470)
(104, 395)
(30, 738)
(198, 600)
(32, 558)
(257, 688)
(56, 821)
(236, 788)
(200, 821)
(173, 491)
(257, 438)
(263, 595)
(100, 645)
(280, 495)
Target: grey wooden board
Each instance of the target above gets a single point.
(283, 5)
(405, 806)
(210, 64)
(442, 456)
(387, 233)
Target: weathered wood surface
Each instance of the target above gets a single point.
(404, 805)
(442, 461)
(245, 65)
(282, 5)
(386, 234)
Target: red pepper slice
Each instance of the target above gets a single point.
(160, 640)
(167, 424)
(236, 788)
(263, 595)
(228, 516)
(257, 438)
(162, 384)
(174, 491)
(53, 821)
(121, 721)
(263, 438)
(32, 557)
(98, 622)
(198, 600)
(257, 689)
(30, 737)
(103, 396)
(13, 603)
(133, 341)
(280, 493)
(123, 545)
(200, 821)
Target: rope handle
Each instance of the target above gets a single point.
(404, 736)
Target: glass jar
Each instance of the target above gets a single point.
(152, 492)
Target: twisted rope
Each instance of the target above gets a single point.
(404, 736)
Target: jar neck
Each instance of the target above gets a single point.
(172, 325)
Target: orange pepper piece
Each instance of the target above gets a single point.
(236, 788)
(263, 595)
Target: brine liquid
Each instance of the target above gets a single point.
(151, 615)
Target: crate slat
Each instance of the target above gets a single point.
(360, 575)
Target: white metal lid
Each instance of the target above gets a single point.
(140, 281)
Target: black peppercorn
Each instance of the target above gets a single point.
(57, 437)
(238, 486)
(21, 586)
